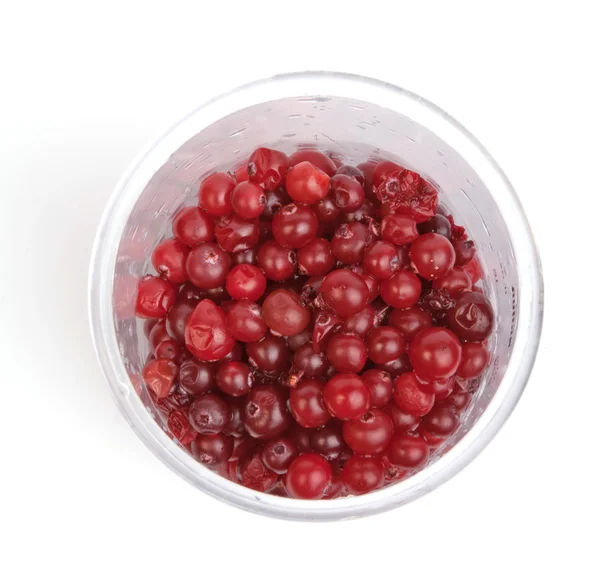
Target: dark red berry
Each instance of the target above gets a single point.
(212, 449)
(385, 344)
(441, 421)
(234, 378)
(410, 321)
(345, 292)
(362, 322)
(407, 451)
(325, 325)
(432, 255)
(363, 474)
(245, 321)
(265, 414)
(381, 260)
(435, 353)
(437, 224)
(215, 194)
(307, 184)
(159, 376)
(310, 363)
(411, 396)
(196, 378)
(347, 193)
(353, 172)
(279, 453)
(209, 414)
(398, 366)
(207, 266)
(248, 200)
(346, 396)
(326, 210)
(350, 242)
(472, 318)
(207, 335)
(308, 477)
(465, 252)
(402, 290)
(399, 229)
(168, 259)
(236, 234)
(155, 297)
(177, 319)
(270, 355)
(379, 384)
(370, 434)
(294, 226)
(193, 226)
(275, 200)
(315, 157)
(295, 342)
(347, 352)
(245, 281)
(403, 421)
(315, 258)
(475, 359)
(267, 168)
(328, 441)
(278, 263)
(307, 405)
(284, 313)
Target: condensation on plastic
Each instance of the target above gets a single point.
(354, 117)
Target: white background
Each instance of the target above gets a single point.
(84, 86)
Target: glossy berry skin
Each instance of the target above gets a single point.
(248, 200)
(155, 297)
(196, 378)
(328, 441)
(209, 414)
(385, 344)
(215, 192)
(236, 234)
(465, 252)
(270, 354)
(207, 335)
(371, 282)
(315, 157)
(403, 421)
(315, 258)
(295, 342)
(284, 313)
(212, 449)
(177, 319)
(435, 353)
(411, 396)
(346, 396)
(410, 321)
(169, 349)
(472, 317)
(437, 224)
(345, 292)
(234, 378)
(350, 242)
(326, 210)
(408, 451)
(432, 255)
(307, 184)
(459, 399)
(207, 266)
(278, 454)
(347, 193)
(277, 263)
(294, 226)
(168, 259)
(158, 334)
(308, 477)
(265, 414)
(246, 281)
(245, 321)
(193, 226)
(307, 405)
(455, 282)
(267, 167)
(381, 260)
(379, 384)
(370, 434)
(402, 290)
(159, 376)
(398, 366)
(347, 352)
(275, 200)
(441, 421)
(475, 359)
(361, 323)
(399, 229)
(245, 257)
(312, 364)
(363, 474)
(382, 170)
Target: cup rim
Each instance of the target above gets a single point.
(530, 307)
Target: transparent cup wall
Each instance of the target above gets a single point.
(355, 131)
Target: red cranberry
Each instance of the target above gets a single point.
(465, 252)
(370, 434)
(294, 226)
(353, 172)
(350, 242)
(345, 292)
(306, 404)
(315, 157)
(159, 376)
(402, 290)
(256, 475)
(410, 321)
(437, 224)
(407, 451)
(435, 353)
(155, 297)
(432, 255)
(149, 325)
(362, 322)
(158, 335)
(177, 318)
(379, 384)
(441, 421)
(270, 354)
(385, 344)
(437, 303)
(245, 281)
(278, 263)
(245, 321)
(168, 259)
(279, 453)
(301, 437)
(275, 200)
(403, 421)
(328, 441)
(315, 258)
(215, 194)
(310, 363)
(245, 257)
(472, 318)
(284, 314)
(265, 415)
(206, 334)
(454, 282)
(234, 378)
(363, 474)
(347, 193)
(248, 200)
(459, 399)
(189, 292)
(407, 193)
(381, 260)
(326, 324)
(370, 281)
(212, 449)
(474, 361)
(209, 414)
(346, 396)
(170, 350)
(411, 396)
(347, 352)
(382, 170)
(367, 210)
(196, 378)
(207, 265)
(308, 477)
(326, 210)
(268, 167)
(367, 168)
(295, 342)
(235, 427)
(193, 226)
(399, 229)
(236, 234)
(307, 184)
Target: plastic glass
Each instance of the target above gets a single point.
(354, 117)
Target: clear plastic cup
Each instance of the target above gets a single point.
(355, 117)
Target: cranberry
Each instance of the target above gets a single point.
(149, 325)
(432, 255)
(268, 167)
(248, 200)
(396, 367)
(350, 242)
(234, 378)
(404, 258)
(270, 354)
(474, 360)
(275, 200)
(278, 263)
(407, 451)
(284, 313)
(345, 292)
(245, 281)
(407, 193)
(308, 477)
(301, 437)
(315, 157)
(236, 234)
(235, 354)
(168, 259)
(370, 434)
(441, 421)
(353, 172)
(245, 321)
(366, 211)
(212, 449)
(367, 169)
(206, 333)
(437, 224)
(346, 396)
(403, 421)
(379, 384)
(435, 353)
(347, 193)
(382, 170)
(385, 344)
(265, 414)
(215, 194)
(402, 290)
(196, 378)
(381, 260)
(410, 321)
(437, 303)
(193, 226)
(363, 474)
(372, 283)
(235, 426)
(189, 292)
(459, 399)
(169, 349)
(155, 297)
(294, 226)
(411, 396)
(256, 475)
(465, 252)
(328, 441)
(295, 342)
(326, 324)
(472, 318)
(207, 266)
(362, 322)
(309, 362)
(158, 335)
(326, 210)
(454, 282)
(347, 352)
(399, 229)
(315, 258)
(159, 376)
(209, 414)
(279, 453)
(307, 184)
(177, 319)
(306, 404)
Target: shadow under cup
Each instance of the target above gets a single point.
(401, 127)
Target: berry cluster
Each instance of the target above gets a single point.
(315, 328)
